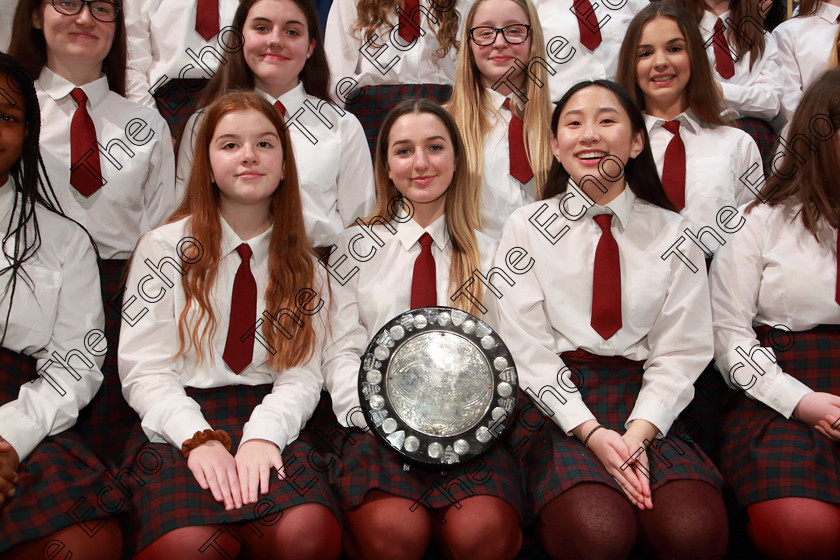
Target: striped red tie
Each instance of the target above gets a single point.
(243, 314)
(207, 18)
(410, 24)
(673, 171)
(590, 31)
(723, 57)
(423, 281)
(606, 282)
(85, 168)
(520, 169)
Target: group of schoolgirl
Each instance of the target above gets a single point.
(233, 321)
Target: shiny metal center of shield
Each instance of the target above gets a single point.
(439, 383)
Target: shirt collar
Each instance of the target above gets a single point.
(259, 244)
(292, 100)
(688, 120)
(58, 88)
(618, 207)
(828, 12)
(410, 232)
(497, 100)
(707, 22)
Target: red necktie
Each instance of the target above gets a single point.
(85, 169)
(606, 282)
(411, 23)
(837, 289)
(520, 169)
(723, 57)
(673, 172)
(280, 108)
(590, 33)
(207, 18)
(243, 314)
(423, 281)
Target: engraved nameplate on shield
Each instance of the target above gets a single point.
(438, 385)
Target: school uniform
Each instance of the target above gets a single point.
(137, 164)
(371, 284)
(7, 15)
(176, 395)
(804, 48)
(333, 162)
(645, 370)
(169, 61)
(56, 317)
(777, 339)
(570, 60)
(501, 193)
(387, 71)
(716, 157)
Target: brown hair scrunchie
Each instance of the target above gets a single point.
(204, 437)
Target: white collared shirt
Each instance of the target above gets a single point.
(56, 317)
(390, 64)
(333, 163)
(567, 56)
(772, 272)
(136, 160)
(804, 48)
(501, 194)
(163, 44)
(666, 316)
(715, 159)
(367, 292)
(154, 378)
(749, 92)
(7, 15)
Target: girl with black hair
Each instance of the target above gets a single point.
(609, 336)
(50, 312)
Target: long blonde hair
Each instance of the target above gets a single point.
(461, 206)
(469, 104)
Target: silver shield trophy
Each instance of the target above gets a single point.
(438, 385)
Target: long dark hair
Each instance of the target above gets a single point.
(29, 179)
(30, 48)
(640, 172)
(236, 74)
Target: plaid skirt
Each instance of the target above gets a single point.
(106, 423)
(370, 104)
(765, 456)
(763, 134)
(176, 101)
(556, 462)
(60, 483)
(166, 496)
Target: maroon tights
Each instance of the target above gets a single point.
(72, 542)
(795, 528)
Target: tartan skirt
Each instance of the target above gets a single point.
(763, 134)
(176, 100)
(765, 456)
(60, 483)
(359, 462)
(370, 104)
(166, 496)
(555, 462)
(106, 423)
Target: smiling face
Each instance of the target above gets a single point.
(663, 68)
(277, 44)
(12, 129)
(594, 137)
(421, 162)
(246, 159)
(494, 60)
(74, 40)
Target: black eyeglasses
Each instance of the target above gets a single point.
(486, 35)
(103, 11)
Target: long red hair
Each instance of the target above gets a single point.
(290, 257)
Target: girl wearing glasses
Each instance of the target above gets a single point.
(706, 165)
(502, 108)
(378, 58)
(109, 159)
(283, 60)
(50, 306)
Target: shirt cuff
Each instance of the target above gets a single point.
(568, 414)
(264, 430)
(182, 426)
(657, 413)
(784, 394)
(21, 431)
